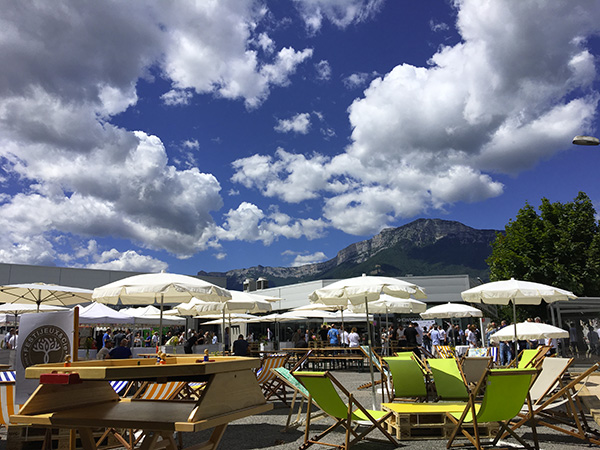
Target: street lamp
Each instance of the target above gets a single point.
(586, 140)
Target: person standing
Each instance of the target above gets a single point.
(240, 346)
(106, 337)
(188, 347)
(121, 352)
(353, 338)
(333, 335)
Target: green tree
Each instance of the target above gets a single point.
(559, 246)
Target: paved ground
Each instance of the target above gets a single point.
(265, 430)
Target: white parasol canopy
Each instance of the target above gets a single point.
(388, 304)
(151, 288)
(515, 291)
(366, 288)
(451, 311)
(529, 331)
(42, 293)
(150, 315)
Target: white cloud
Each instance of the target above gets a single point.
(323, 70)
(68, 68)
(438, 26)
(341, 13)
(358, 80)
(128, 260)
(300, 124)
(302, 259)
(177, 97)
(250, 223)
(427, 137)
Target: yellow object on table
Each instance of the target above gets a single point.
(92, 402)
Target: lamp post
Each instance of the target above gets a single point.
(586, 140)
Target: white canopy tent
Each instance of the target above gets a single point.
(101, 314)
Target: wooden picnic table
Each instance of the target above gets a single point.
(331, 357)
(83, 398)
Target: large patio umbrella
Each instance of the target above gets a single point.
(530, 331)
(158, 288)
(317, 307)
(516, 292)
(42, 293)
(365, 289)
(454, 311)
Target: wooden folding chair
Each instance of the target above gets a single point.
(298, 389)
(506, 390)
(8, 407)
(409, 378)
(268, 381)
(556, 404)
(449, 380)
(444, 351)
(474, 367)
(384, 372)
(278, 386)
(325, 390)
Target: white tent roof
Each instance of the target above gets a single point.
(99, 313)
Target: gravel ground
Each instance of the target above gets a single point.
(266, 430)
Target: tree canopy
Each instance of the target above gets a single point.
(559, 246)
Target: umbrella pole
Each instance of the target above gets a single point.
(223, 332)
(371, 351)
(160, 323)
(515, 325)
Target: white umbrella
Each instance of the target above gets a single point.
(316, 307)
(277, 317)
(451, 311)
(530, 331)
(515, 292)
(365, 289)
(159, 288)
(312, 313)
(42, 293)
(454, 311)
(150, 315)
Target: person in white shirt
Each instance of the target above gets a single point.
(353, 338)
(344, 337)
(12, 342)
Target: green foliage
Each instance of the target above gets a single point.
(559, 246)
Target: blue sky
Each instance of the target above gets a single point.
(216, 135)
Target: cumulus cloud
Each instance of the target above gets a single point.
(249, 223)
(341, 13)
(128, 260)
(301, 259)
(358, 80)
(300, 124)
(68, 68)
(426, 137)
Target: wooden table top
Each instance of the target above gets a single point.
(145, 368)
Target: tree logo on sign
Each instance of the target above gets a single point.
(45, 344)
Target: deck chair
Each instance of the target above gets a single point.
(409, 378)
(556, 404)
(530, 357)
(477, 352)
(278, 386)
(473, 368)
(506, 390)
(325, 391)
(448, 379)
(287, 377)
(8, 407)
(385, 375)
(267, 380)
(493, 353)
(444, 351)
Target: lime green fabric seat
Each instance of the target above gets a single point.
(325, 390)
(448, 379)
(408, 377)
(506, 391)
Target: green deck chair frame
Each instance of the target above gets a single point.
(325, 391)
(409, 377)
(449, 380)
(506, 390)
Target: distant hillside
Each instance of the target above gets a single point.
(422, 247)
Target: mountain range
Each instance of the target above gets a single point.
(422, 247)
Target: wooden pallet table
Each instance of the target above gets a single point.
(416, 421)
(80, 397)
